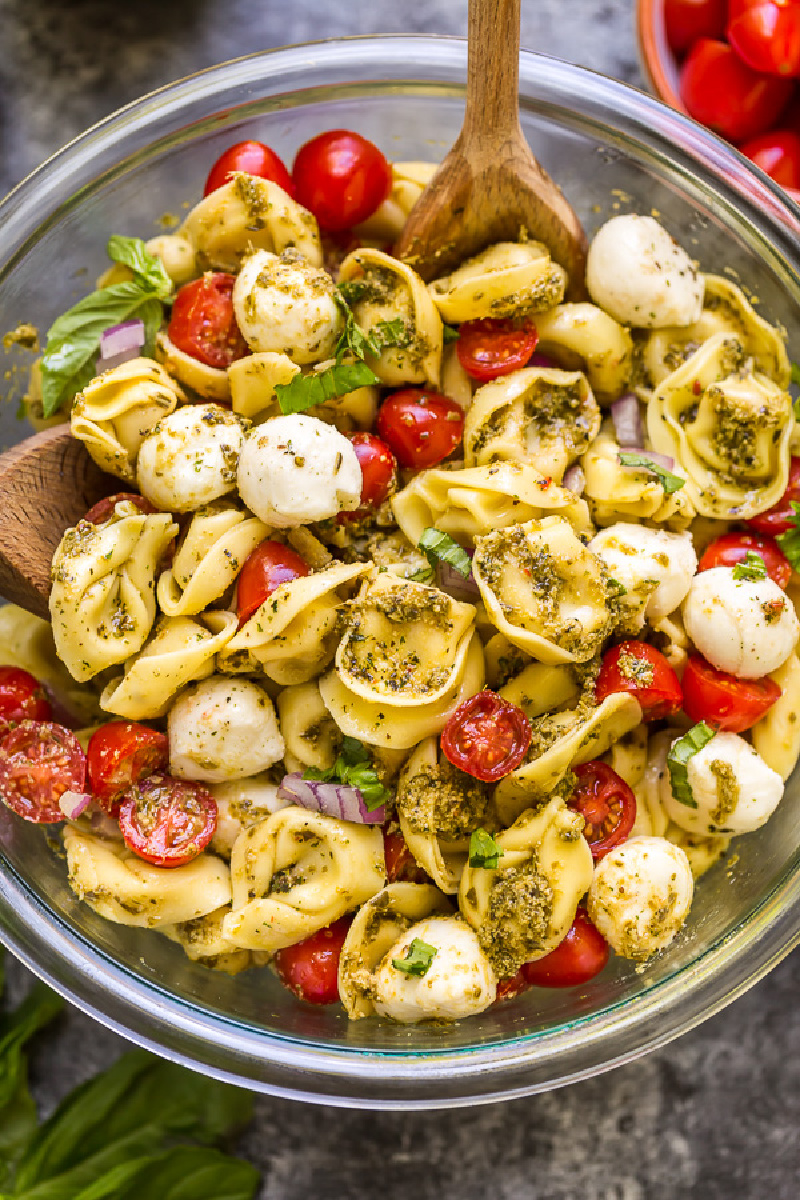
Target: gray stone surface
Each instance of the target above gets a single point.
(714, 1116)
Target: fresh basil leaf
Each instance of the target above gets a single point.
(189, 1173)
(353, 768)
(789, 541)
(373, 793)
(449, 334)
(617, 586)
(305, 391)
(353, 338)
(796, 404)
(18, 1121)
(752, 567)
(17, 1108)
(353, 751)
(321, 775)
(440, 547)
(132, 252)
(484, 850)
(151, 314)
(354, 290)
(391, 333)
(684, 749)
(795, 373)
(423, 575)
(670, 483)
(418, 958)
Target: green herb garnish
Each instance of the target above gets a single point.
(440, 547)
(789, 541)
(484, 850)
(617, 586)
(684, 749)
(353, 767)
(795, 373)
(751, 567)
(391, 333)
(449, 334)
(670, 483)
(418, 959)
(423, 575)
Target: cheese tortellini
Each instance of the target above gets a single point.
(508, 279)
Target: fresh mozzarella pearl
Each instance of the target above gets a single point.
(458, 983)
(746, 627)
(734, 789)
(641, 276)
(286, 306)
(189, 458)
(297, 469)
(635, 556)
(223, 729)
(640, 895)
(240, 804)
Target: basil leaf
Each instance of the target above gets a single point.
(305, 391)
(354, 290)
(418, 959)
(796, 404)
(795, 373)
(752, 567)
(17, 1108)
(484, 850)
(353, 768)
(423, 575)
(440, 547)
(670, 483)
(684, 749)
(449, 334)
(391, 333)
(619, 589)
(132, 252)
(789, 541)
(190, 1173)
(353, 751)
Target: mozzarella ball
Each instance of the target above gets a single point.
(734, 789)
(458, 983)
(286, 306)
(297, 469)
(747, 627)
(641, 276)
(637, 557)
(240, 804)
(190, 457)
(223, 729)
(640, 894)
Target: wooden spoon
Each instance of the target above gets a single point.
(490, 188)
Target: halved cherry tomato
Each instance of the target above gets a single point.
(492, 347)
(103, 511)
(310, 968)
(688, 20)
(780, 517)
(487, 736)
(766, 35)
(120, 754)
(203, 323)
(400, 862)
(733, 548)
(607, 805)
(421, 427)
(39, 761)
(22, 697)
(725, 701)
(778, 155)
(253, 158)
(721, 91)
(341, 178)
(378, 475)
(582, 955)
(641, 670)
(270, 565)
(167, 821)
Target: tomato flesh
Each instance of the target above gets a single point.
(378, 475)
(688, 20)
(723, 701)
(721, 91)
(310, 968)
(642, 671)
(779, 518)
(607, 805)
(766, 36)
(487, 737)
(203, 323)
(251, 158)
(511, 986)
(420, 427)
(733, 548)
(493, 347)
(22, 697)
(103, 511)
(400, 862)
(167, 821)
(39, 761)
(778, 155)
(341, 178)
(269, 565)
(119, 755)
(580, 957)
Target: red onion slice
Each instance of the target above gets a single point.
(119, 344)
(574, 480)
(72, 804)
(332, 799)
(542, 360)
(627, 421)
(455, 584)
(660, 460)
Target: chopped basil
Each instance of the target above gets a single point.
(684, 749)
(670, 483)
(796, 404)
(440, 547)
(423, 575)
(418, 959)
(617, 586)
(789, 541)
(449, 334)
(484, 850)
(353, 768)
(391, 333)
(795, 373)
(305, 391)
(752, 567)
(354, 290)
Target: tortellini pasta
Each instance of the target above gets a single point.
(311, 734)
(212, 383)
(240, 804)
(27, 641)
(213, 550)
(582, 335)
(618, 493)
(203, 941)
(386, 223)
(507, 279)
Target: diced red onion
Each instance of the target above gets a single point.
(627, 421)
(455, 584)
(119, 344)
(72, 804)
(332, 799)
(574, 479)
(660, 460)
(542, 360)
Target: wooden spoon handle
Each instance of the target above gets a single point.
(492, 108)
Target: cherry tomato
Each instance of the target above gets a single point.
(688, 20)
(420, 427)
(724, 701)
(39, 761)
(486, 736)
(721, 91)
(492, 347)
(607, 805)
(22, 697)
(120, 754)
(733, 548)
(310, 969)
(511, 986)
(167, 821)
(766, 35)
(253, 158)
(400, 862)
(270, 565)
(779, 518)
(103, 511)
(378, 475)
(778, 155)
(640, 669)
(203, 323)
(582, 955)
(341, 178)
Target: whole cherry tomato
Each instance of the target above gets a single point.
(511, 986)
(341, 178)
(378, 475)
(582, 955)
(607, 805)
(778, 155)
(766, 35)
(310, 968)
(103, 511)
(120, 754)
(486, 736)
(721, 91)
(724, 701)
(492, 347)
(780, 517)
(733, 548)
(269, 565)
(400, 862)
(421, 427)
(203, 323)
(39, 761)
(22, 697)
(167, 821)
(641, 670)
(688, 20)
(253, 158)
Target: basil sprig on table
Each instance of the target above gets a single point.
(669, 481)
(484, 851)
(440, 547)
(789, 541)
(677, 759)
(417, 960)
(353, 768)
(73, 340)
(752, 567)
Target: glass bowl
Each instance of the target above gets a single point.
(610, 148)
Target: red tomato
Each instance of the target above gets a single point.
(511, 986)
(310, 969)
(22, 697)
(732, 548)
(779, 518)
(167, 821)
(103, 511)
(203, 324)
(341, 178)
(400, 862)
(270, 565)
(253, 158)
(492, 347)
(607, 805)
(120, 754)
(640, 669)
(421, 427)
(722, 700)
(778, 155)
(766, 35)
(582, 955)
(688, 20)
(378, 475)
(39, 761)
(721, 91)
(486, 736)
